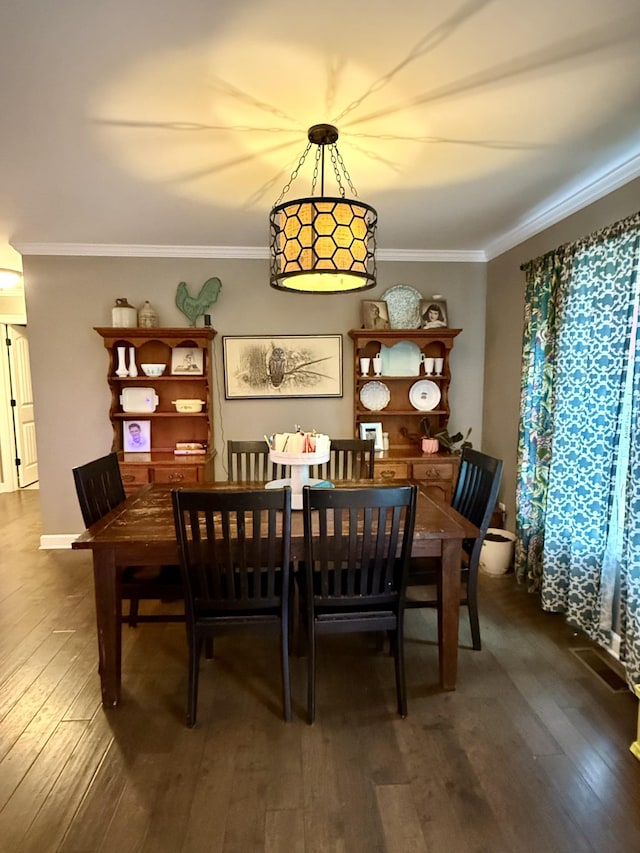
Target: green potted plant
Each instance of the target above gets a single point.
(429, 443)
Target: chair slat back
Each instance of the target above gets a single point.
(234, 548)
(477, 487)
(249, 461)
(357, 543)
(99, 487)
(350, 459)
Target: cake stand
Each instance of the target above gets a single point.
(299, 463)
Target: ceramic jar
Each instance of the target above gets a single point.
(147, 316)
(430, 445)
(123, 314)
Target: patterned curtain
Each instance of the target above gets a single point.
(573, 470)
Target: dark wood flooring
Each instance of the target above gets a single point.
(531, 753)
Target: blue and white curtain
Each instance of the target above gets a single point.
(578, 491)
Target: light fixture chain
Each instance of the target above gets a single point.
(334, 161)
(314, 177)
(294, 174)
(345, 172)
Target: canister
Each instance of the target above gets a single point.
(123, 314)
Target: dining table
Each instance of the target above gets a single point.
(141, 532)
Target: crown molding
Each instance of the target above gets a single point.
(566, 203)
(121, 250)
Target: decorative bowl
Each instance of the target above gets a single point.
(153, 369)
(188, 405)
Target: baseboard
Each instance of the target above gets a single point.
(57, 541)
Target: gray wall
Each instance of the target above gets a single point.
(505, 306)
(67, 297)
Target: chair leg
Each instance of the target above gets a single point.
(134, 603)
(284, 652)
(401, 684)
(472, 605)
(195, 648)
(311, 672)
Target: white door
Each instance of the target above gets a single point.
(22, 405)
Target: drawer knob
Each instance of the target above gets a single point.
(387, 475)
(128, 478)
(176, 477)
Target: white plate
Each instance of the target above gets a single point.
(403, 305)
(375, 396)
(424, 395)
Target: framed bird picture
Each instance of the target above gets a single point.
(278, 366)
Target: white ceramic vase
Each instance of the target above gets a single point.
(133, 370)
(121, 369)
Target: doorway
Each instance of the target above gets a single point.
(18, 449)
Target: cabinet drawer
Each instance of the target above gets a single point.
(391, 470)
(178, 475)
(134, 475)
(433, 472)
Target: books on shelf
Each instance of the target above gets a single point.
(190, 448)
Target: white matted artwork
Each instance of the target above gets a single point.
(136, 436)
(372, 430)
(187, 360)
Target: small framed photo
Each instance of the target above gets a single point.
(372, 430)
(136, 436)
(187, 360)
(433, 314)
(375, 315)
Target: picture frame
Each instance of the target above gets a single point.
(187, 361)
(282, 366)
(437, 308)
(136, 436)
(375, 314)
(372, 430)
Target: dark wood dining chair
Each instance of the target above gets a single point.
(357, 544)
(474, 497)
(350, 459)
(248, 461)
(234, 553)
(100, 490)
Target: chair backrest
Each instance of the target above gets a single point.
(234, 549)
(350, 459)
(248, 461)
(99, 487)
(358, 543)
(476, 490)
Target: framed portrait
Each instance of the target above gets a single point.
(372, 430)
(279, 367)
(136, 436)
(187, 361)
(433, 314)
(375, 315)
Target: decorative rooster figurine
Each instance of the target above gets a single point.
(194, 308)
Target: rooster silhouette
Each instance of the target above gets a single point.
(193, 308)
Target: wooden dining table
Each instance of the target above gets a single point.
(140, 532)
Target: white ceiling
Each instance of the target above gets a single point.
(468, 125)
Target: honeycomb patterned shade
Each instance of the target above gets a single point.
(323, 245)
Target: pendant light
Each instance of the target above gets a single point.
(323, 244)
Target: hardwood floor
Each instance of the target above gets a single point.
(531, 753)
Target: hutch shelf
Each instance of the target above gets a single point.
(167, 426)
(402, 363)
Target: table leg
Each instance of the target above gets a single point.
(106, 582)
(449, 613)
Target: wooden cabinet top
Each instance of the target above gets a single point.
(169, 335)
(393, 335)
